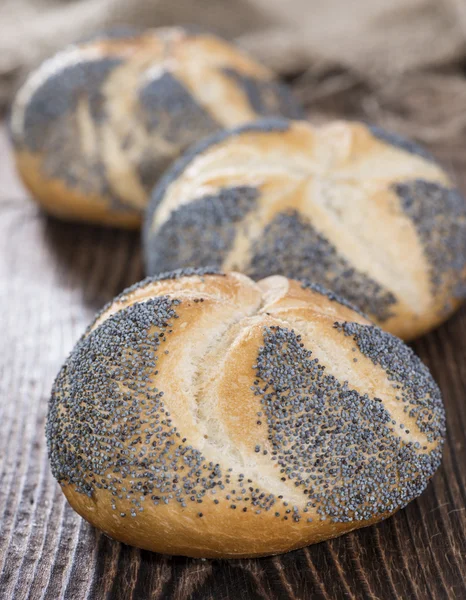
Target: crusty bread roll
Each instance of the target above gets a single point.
(95, 126)
(356, 209)
(211, 416)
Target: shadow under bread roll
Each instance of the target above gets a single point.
(95, 126)
(207, 415)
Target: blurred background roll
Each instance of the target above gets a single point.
(364, 212)
(95, 126)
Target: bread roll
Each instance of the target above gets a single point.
(362, 212)
(95, 126)
(211, 416)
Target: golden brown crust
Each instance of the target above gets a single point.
(161, 529)
(357, 210)
(87, 208)
(96, 125)
(224, 490)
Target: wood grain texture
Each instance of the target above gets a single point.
(53, 277)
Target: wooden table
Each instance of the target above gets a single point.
(53, 277)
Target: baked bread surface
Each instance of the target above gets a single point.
(211, 416)
(361, 211)
(96, 125)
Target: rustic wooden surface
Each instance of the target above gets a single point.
(53, 276)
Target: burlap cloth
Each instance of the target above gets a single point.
(401, 63)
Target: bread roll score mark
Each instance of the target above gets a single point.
(290, 244)
(109, 427)
(235, 89)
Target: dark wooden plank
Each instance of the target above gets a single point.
(53, 276)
